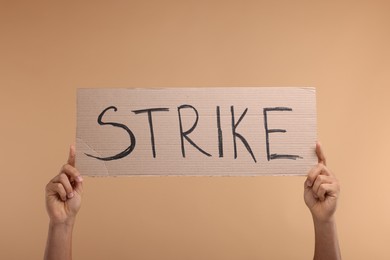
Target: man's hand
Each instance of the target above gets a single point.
(63, 193)
(321, 190)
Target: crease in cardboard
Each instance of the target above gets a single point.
(106, 173)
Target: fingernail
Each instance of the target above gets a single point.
(308, 183)
(79, 179)
(70, 195)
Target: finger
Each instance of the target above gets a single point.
(64, 180)
(72, 173)
(320, 153)
(310, 178)
(320, 180)
(326, 190)
(314, 172)
(75, 177)
(72, 155)
(56, 189)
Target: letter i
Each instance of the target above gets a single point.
(220, 143)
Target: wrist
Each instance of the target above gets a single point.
(324, 225)
(68, 223)
(325, 221)
(59, 240)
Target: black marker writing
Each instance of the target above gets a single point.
(124, 153)
(184, 134)
(220, 141)
(235, 134)
(150, 120)
(268, 131)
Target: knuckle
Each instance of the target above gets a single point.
(47, 187)
(58, 188)
(312, 174)
(321, 178)
(321, 189)
(69, 169)
(317, 181)
(63, 178)
(63, 168)
(66, 167)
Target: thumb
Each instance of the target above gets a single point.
(320, 154)
(72, 155)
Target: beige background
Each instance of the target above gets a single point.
(49, 48)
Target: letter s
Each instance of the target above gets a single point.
(124, 153)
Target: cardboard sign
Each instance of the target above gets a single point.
(196, 131)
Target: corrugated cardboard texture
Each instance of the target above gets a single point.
(196, 131)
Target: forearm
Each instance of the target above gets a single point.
(326, 240)
(59, 241)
